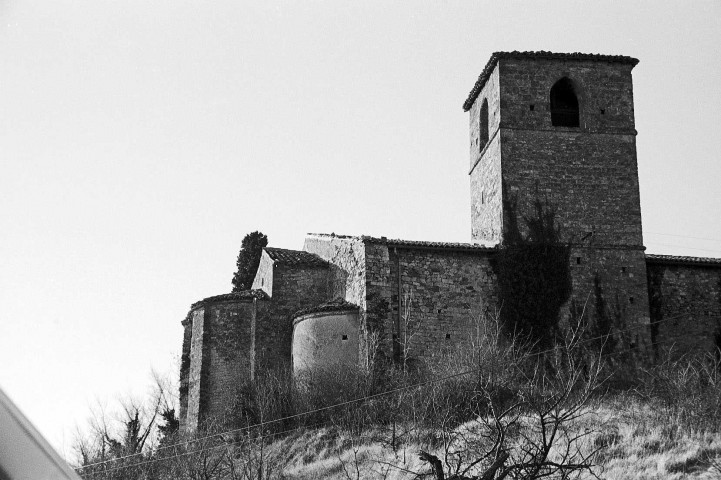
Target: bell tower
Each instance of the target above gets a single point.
(558, 129)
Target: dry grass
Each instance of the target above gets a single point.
(639, 441)
(634, 440)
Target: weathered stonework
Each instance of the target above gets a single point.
(294, 287)
(421, 298)
(485, 167)
(325, 338)
(587, 174)
(220, 354)
(347, 259)
(439, 296)
(185, 371)
(685, 301)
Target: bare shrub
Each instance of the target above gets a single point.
(117, 444)
(532, 430)
(687, 389)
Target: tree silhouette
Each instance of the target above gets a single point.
(248, 260)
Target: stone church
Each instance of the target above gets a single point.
(552, 126)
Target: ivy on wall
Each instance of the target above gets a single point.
(655, 303)
(226, 335)
(602, 327)
(533, 270)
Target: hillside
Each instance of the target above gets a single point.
(567, 412)
(634, 441)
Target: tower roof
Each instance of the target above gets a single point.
(541, 54)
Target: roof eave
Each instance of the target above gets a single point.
(577, 56)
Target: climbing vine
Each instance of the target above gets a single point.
(655, 303)
(533, 270)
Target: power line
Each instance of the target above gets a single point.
(370, 397)
(225, 444)
(717, 251)
(377, 395)
(229, 443)
(683, 236)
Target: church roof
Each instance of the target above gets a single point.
(294, 257)
(242, 296)
(680, 260)
(488, 69)
(337, 305)
(419, 244)
(426, 245)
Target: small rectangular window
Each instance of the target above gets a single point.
(531, 107)
(345, 337)
(448, 336)
(578, 260)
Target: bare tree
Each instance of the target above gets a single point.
(114, 444)
(532, 434)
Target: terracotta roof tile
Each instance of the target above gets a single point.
(294, 257)
(680, 260)
(244, 296)
(488, 69)
(337, 305)
(395, 242)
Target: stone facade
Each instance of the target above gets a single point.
(325, 339)
(586, 174)
(220, 354)
(685, 298)
(573, 153)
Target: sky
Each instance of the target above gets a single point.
(141, 140)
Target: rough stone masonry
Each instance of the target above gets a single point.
(551, 129)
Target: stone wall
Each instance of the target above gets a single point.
(346, 256)
(685, 302)
(604, 90)
(590, 180)
(485, 167)
(589, 174)
(264, 276)
(378, 319)
(443, 297)
(347, 277)
(187, 324)
(609, 292)
(295, 287)
(220, 355)
(450, 285)
(325, 340)
(229, 338)
(196, 371)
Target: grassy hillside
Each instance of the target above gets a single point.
(633, 439)
(522, 413)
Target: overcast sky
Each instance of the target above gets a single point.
(141, 140)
